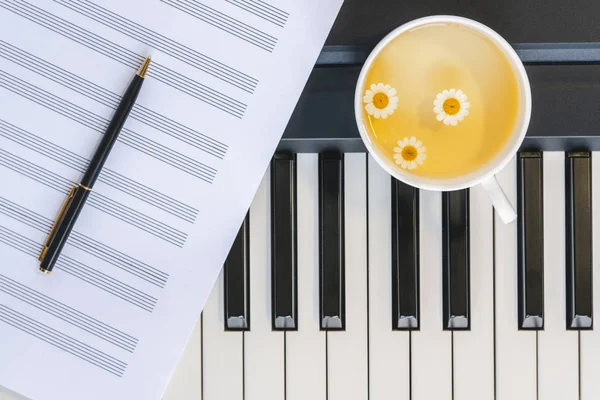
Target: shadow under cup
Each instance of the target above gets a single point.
(412, 105)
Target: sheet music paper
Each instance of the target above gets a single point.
(113, 318)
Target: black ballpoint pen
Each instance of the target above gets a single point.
(76, 199)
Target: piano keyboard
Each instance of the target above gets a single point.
(351, 285)
(344, 284)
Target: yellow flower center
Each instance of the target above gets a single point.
(409, 153)
(381, 100)
(451, 106)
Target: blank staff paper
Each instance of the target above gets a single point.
(114, 317)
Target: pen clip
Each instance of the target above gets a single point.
(58, 218)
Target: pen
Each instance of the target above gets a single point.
(76, 199)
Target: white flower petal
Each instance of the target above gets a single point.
(400, 143)
(438, 104)
(370, 108)
(421, 158)
(377, 113)
(368, 97)
(412, 165)
(405, 142)
(404, 164)
(397, 150)
(384, 114)
(398, 161)
(418, 144)
(422, 149)
(397, 155)
(374, 88)
(412, 140)
(380, 87)
(394, 100)
(391, 92)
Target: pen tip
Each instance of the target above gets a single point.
(144, 68)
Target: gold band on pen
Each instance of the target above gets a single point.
(85, 187)
(60, 215)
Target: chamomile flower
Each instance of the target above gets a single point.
(410, 153)
(451, 106)
(381, 100)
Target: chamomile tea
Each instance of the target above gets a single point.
(441, 100)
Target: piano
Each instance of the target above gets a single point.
(344, 284)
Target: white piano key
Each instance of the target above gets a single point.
(186, 382)
(305, 348)
(264, 348)
(347, 350)
(590, 340)
(222, 351)
(474, 349)
(515, 350)
(431, 346)
(389, 365)
(558, 349)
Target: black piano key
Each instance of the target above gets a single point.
(237, 281)
(578, 175)
(530, 232)
(455, 262)
(405, 256)
(284, 284)
(332, 303)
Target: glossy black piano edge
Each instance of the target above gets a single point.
(564, 90)
(351, 144)
(529, 53)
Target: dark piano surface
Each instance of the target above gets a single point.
(559, 42)
(365, 22)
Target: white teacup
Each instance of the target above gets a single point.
(484, 176)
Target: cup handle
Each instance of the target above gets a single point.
(499, 200)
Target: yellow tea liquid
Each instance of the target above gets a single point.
(419, 64)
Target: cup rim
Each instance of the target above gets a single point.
(486, 171)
